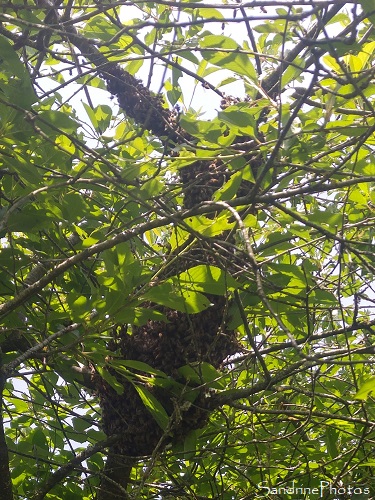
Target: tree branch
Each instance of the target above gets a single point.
(5, 477)
(61, 473)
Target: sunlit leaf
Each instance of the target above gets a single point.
(153, 406)
(366, 389)
(229, 57)
(111, 380)
(170, 296)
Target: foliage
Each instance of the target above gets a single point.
(94, 216)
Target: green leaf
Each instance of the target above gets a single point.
(331, 440)
(292, 72)
(186, 301)
(137, 365)
(190, 56)
(202, 373)
(111, 380)
(91, 114)
(100, 27)
(80, 306)
(73, 207)
(29, 218)
(208, 279)
(241, 119)
(200, 128)
(103, 114)
(134, 66)
(89, 242)
(57, 121)
(230, 188)
(39, 439)
(205, 226)
(322, 297)
(368, 9)
(229, 57)
(190, 445)
(210, 13)
(366, 389)
(10, 60)
(80, 424)
(153, 406)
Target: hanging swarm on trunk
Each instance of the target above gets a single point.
(146, 108)
(200, 180)
(169, 344)
(165, 345)
(180, 338)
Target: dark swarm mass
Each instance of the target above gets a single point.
(165, 345)
(139, 103)
(180, 338)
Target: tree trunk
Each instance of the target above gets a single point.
(5, 478)
(116, 476)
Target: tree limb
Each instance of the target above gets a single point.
(6, 488)
(66, 469)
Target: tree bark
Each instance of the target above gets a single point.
(115, 477)
(5, 478)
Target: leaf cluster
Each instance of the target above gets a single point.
(94, 217)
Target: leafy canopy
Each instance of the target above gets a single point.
(93, 217)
